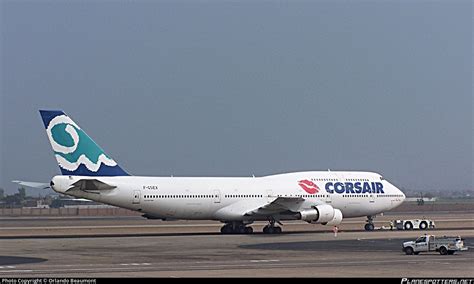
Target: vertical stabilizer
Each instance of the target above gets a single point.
(77, 154)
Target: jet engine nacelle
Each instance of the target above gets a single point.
(336, 220)
(324, 214)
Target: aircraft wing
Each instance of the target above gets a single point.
(91, 184)
(277, 206)
(32, 184)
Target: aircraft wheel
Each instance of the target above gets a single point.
(265, 230)
(408, 226)
(248, 230)
(423, 225)
(443, 251)
(226, 229)
(271, 230)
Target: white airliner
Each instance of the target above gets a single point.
(317, 197)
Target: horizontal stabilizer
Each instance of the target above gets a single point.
(39, 185)
(77, 199)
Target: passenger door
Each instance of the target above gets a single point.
(269, 195)
(136, 197)
(371, 198)
(217, 196)
(328, 198)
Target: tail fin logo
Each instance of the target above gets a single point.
(72, 147)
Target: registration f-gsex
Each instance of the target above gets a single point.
(318, 197)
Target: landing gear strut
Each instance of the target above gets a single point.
(236, 228)
(271, 228)
(370, 223)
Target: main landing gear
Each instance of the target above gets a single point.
(239, 227)
(370, 223)
(236, 228)
(271, 228)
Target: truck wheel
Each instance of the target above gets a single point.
(443, 251)
(408, 226)
(423, 225)
(409, 250)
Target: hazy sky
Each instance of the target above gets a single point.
(204, 88)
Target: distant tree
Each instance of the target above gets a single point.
(420, 200)
(22, 193)
(12, 200)
(17, 199)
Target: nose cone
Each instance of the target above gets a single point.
(398, 192)
(402, 198)
(398, 197)
(403, 195)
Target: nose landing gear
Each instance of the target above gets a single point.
(370, 223)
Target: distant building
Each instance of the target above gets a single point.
(35, 203)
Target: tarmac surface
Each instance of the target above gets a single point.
(134, 247)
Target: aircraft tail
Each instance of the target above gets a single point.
(77, 154)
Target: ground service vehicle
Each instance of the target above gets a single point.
(414, 224)
(444, 245)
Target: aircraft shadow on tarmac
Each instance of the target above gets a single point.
(14, 260)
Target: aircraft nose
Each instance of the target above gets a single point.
(402, 195)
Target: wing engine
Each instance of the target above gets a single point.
(321, 214)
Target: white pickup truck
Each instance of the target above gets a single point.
(443, 245)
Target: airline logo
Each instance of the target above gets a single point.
(76, 153)
(308, 186)
(72, 147)
(354, 187)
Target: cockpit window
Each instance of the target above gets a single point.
(381, 178)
